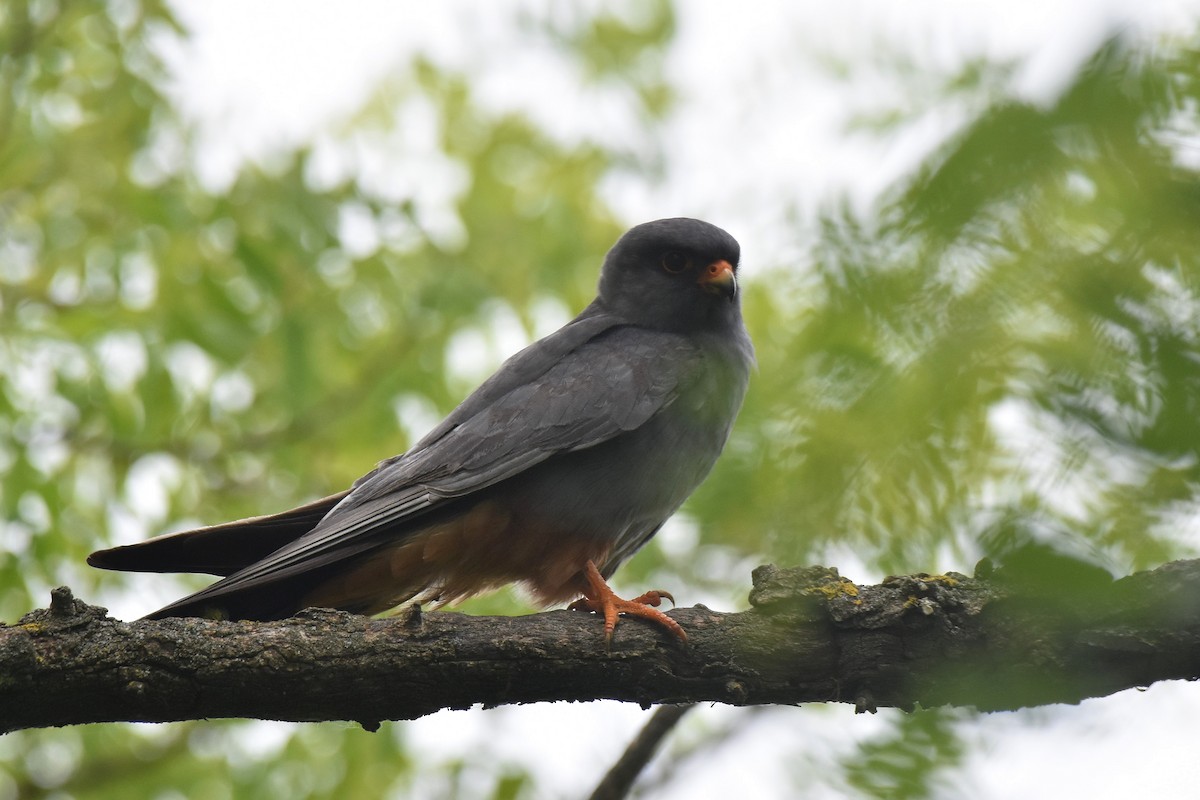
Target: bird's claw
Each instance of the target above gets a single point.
(600, 599)
(654, 597)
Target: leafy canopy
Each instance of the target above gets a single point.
(1006, 347)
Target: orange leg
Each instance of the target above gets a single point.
(598, 597)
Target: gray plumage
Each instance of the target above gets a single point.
(599, 431)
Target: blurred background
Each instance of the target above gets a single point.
(249, 249)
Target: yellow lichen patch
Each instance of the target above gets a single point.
(838, 588)
(924, 604)
(946, 579)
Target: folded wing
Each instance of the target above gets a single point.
(610, 380)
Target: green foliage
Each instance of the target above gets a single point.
(906, 762)
(1012, 337)
(1006, 346)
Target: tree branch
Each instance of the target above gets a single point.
(993, 642)
(617, 782)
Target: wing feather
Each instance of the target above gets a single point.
(565, 393)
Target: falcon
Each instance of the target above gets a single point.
(550, 475)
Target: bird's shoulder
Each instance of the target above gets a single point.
(524, 367)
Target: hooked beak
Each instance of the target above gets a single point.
(718, 278)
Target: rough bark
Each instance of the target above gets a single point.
(993, 642)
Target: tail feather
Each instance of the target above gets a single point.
(277, 600)
(219, 549)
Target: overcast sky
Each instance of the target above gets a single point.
(762, 126)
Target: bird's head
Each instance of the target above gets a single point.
(675, 274)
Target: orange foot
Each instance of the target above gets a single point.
(598, 597)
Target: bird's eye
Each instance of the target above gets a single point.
(675, 261)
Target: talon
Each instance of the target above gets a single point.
(599, 598)
(654, 597)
